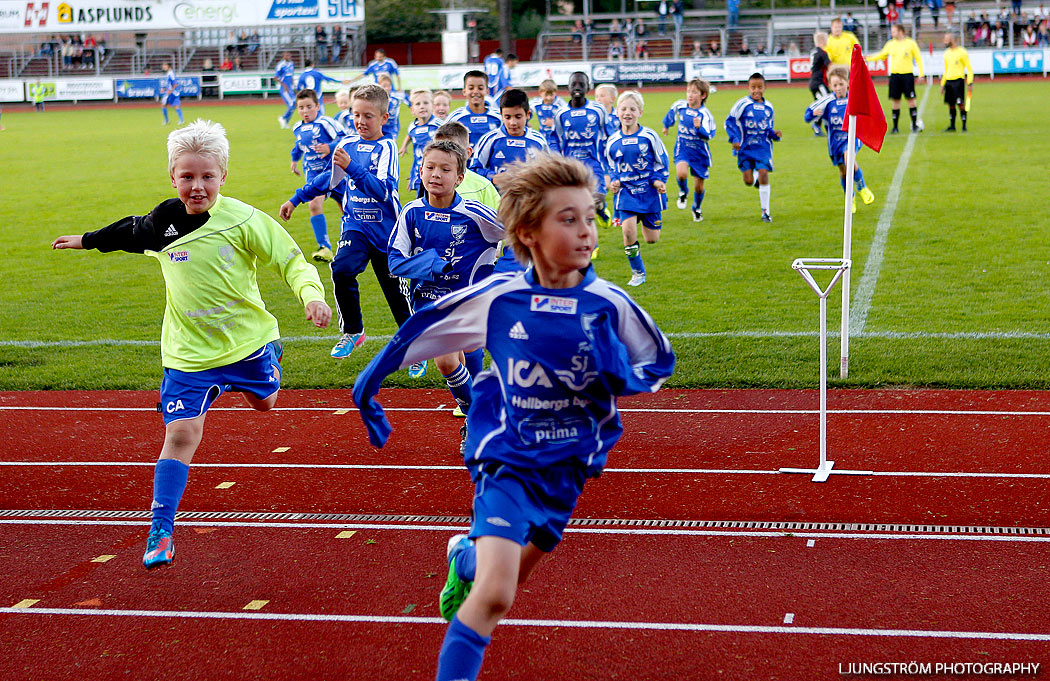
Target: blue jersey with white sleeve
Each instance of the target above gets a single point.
(312, 79)
(637, 160)
(477, 124)
(832, 110)
(421, 135)
(376, 68)
(321, 130)
(171, 83)
(560, 358)
(394, 103)
(751, 124)
(695, 127)
(544, 116)
(581, 135)
(345, 118)
(284, 74)
(612, 123)
(441, 250)
(497, 150)
(494, 67)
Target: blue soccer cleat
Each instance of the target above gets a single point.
(160, 549)
(347, 344)
(456, 589)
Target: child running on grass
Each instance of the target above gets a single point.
(564, 345)
(696, 126)
(217, 335)
(832, 110)
(315, 138)
(443, 243)
(637, 163)
(750, 127)
(420, 133)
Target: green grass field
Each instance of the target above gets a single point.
(960, 300)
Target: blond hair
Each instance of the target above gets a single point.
(373, 94)
(548, 85)
(421, 91)
(201, 137)
(525, 187)
(605, 86)
(631, 94)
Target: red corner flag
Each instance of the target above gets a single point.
(863, 102)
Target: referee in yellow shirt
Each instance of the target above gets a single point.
(840, 43)
(904, 59)
(957, 81)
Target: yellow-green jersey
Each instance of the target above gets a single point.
(904, 56)
(957, 65)
(840, 47)
(214, 314)
(478, 188)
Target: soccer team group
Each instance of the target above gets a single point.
(563, 343)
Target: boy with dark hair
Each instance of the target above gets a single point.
(696, 126)
(475, 115)
(284, 75)
(312, 79)
(315, 140)
(515, 141)
(751, 130)
(169, 93)
(582, 130)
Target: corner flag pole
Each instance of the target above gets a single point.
(847, 245)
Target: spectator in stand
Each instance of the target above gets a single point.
(733, 12)
(337, 43)
(999, 33)
(66, 50)
(577, 31)
(640, 32)
(678, 13)
(242, 42)
(949, 12)
(641, 50)
(1029, 38)
(1044, 33)
(849, 23)
(321, 41)
(745, 49)
(90, 45)
(698, 50)
(793, 50)
(227, 63)
(840, 43)
(661, 13)
(588, 30)
(615, 30)
(237, 64)
(883, 7)
(935, 11)
(253, 42)
(714, 48)
(916, 16)
(616, 49)
(1017, 8)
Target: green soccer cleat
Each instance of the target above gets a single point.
(867, 196)
(455, 590)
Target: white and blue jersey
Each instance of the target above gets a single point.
(560, 358)
(169, 82)
(421, 135)
(751, 124)
(284, 74)
(696, 126)
(312, 79)
(544, 117)
(833, 112)
(581, 135)
(321, 130)
(637, 160)
(345, 118)
(494, 68)
(497, 150)
(477, 124)
(376, 68)
(394, 103)
(441, 250)
(612, 123)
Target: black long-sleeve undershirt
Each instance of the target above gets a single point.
(152, 232)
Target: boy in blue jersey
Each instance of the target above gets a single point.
(284, 74)
(581, 132)
(395, 100)
(420, 134)
(494, 66)
(546, 106)
(442, 104)
(751, 130)
(365, 169)
(315, 140)
(564, 345)
(443, 243)
(345, 117)
(217, 335)
(606, 94)
(475, 114)
(515, 141)
(383, 65)
(638, 165)
(312, 79)
(696, 126)
(169, 93)
(832, 110)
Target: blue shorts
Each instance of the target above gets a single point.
(188, 394)
(170, 100)
(750, 163)
(699, 164)
(650, 220)
(840, 158)
(525, 505)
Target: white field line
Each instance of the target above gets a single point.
(422, 467)
(640, 531)
(538, 623)
(858, 317)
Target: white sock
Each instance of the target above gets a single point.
(763, 197)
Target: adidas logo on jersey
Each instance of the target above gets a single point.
(171, 231)
(499, 154)
(518, 332)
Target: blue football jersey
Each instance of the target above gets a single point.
(560, 358)
(441, 250)
(496, 150)
(581, 134)
(833, 111)
(284, 72)
(477, 124)
(494, 67)
(369, 185)
(612, 123)
(751, 124)
(637, 160)
(321, 130)
(345, 118)
(375, 68)
(312, 79)
(421, 134)
(691, 143)
(544, 115)
(392, 126)
(170, 82)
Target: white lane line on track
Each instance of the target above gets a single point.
(421, 467)
(629, 410)
(568, 624)
(645, 531)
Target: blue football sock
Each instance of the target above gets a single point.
(169, 482)
(467, 563)
(459, 384)
(164, 110)
(475, 361)
(698, 199)
(842, 181)
(320, 227)
(683, 188)
(858, 179)
(461, 653)
(178, 110)
(634, 257)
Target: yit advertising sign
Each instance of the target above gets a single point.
(1017, 61)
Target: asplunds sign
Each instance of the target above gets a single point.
(116, 15)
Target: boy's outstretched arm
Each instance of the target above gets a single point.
(70, 241)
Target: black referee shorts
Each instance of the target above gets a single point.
(955, 92)
(902, 85)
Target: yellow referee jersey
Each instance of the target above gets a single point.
(902, 54)
(957, 65)
(839, 48)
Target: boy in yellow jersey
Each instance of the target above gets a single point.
(217, 335)
(904, 60)
(840, 43)
(957, 80)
